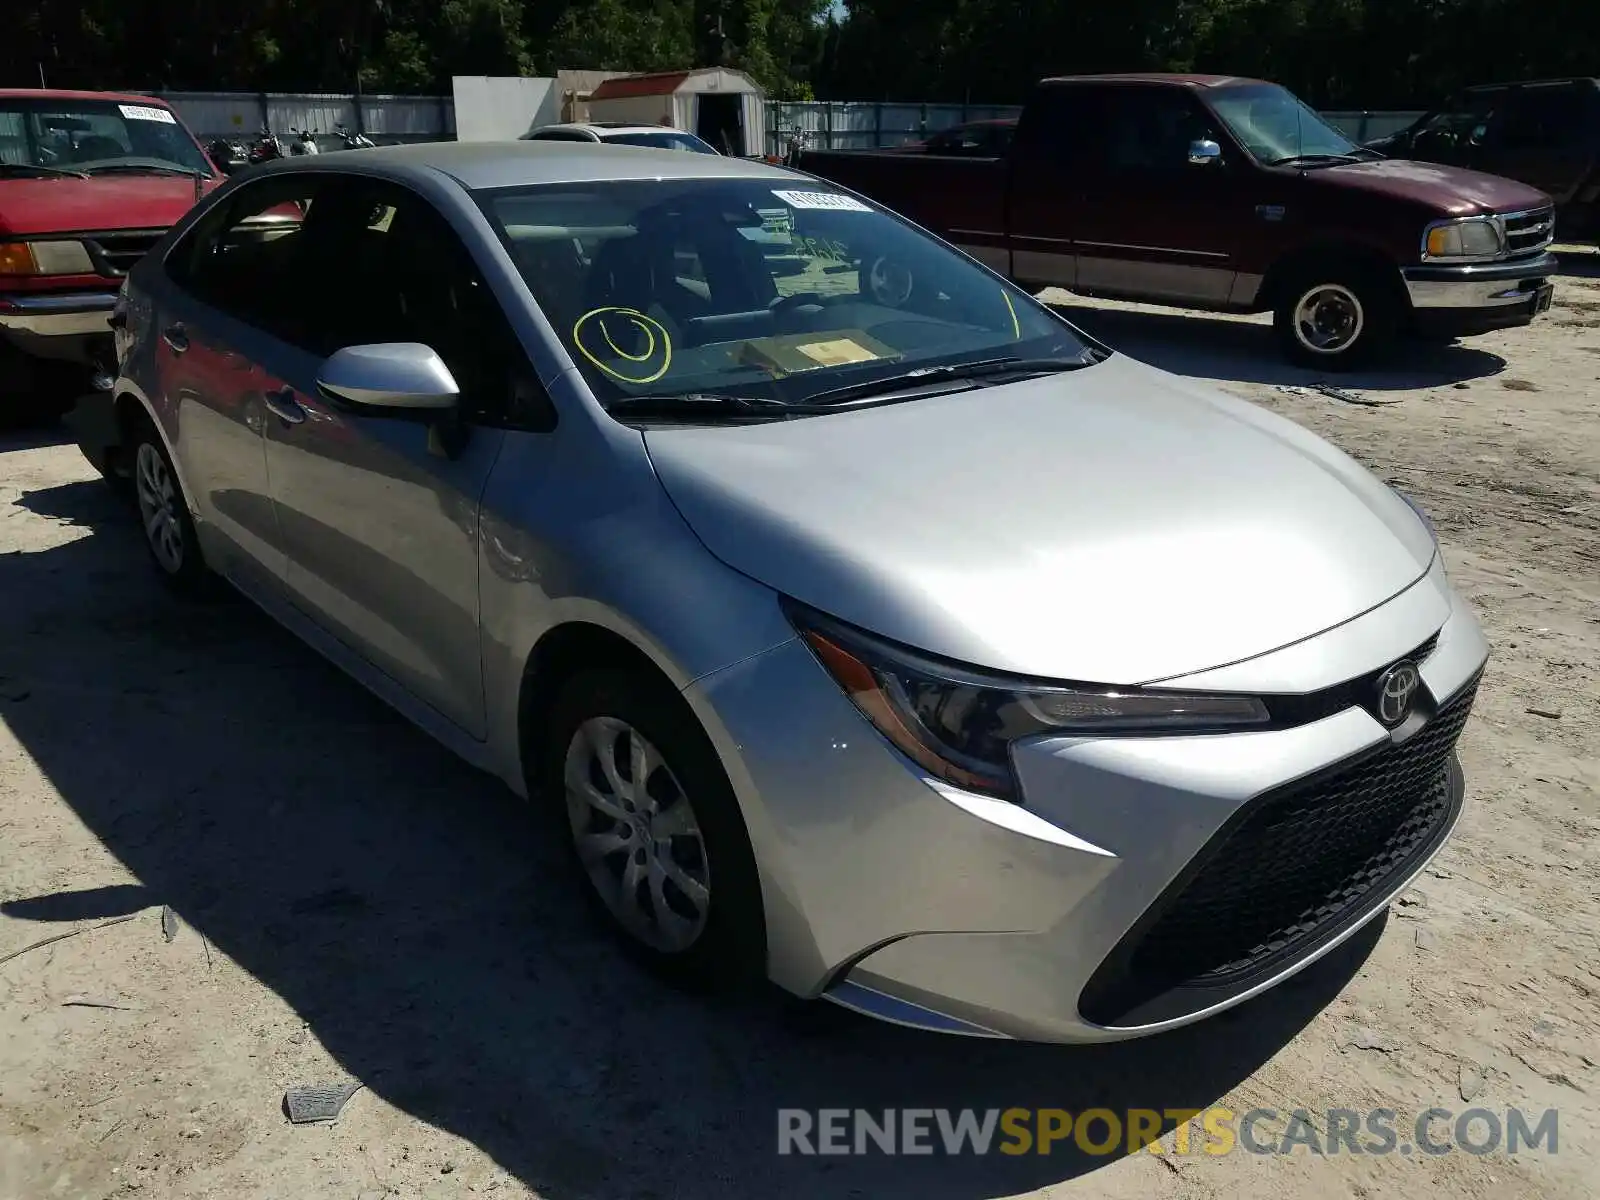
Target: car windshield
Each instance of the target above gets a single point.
(775, 288)
(665, 140)
(1275, 126)
(89, 136)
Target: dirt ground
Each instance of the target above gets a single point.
(351, 904)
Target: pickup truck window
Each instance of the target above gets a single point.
(1276, 127)
(1541, 118)
(769, 287)
(1464, 122)
(1146, 129)
(96, 137)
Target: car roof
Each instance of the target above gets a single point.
(478, 165)
(1189, 81)
(607, 128)
(67, 94)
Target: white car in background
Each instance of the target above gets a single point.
(620, 133)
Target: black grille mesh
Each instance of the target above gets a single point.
(116, 253)
(1300, 860)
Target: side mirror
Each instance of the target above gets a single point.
(406, 377)
(1204, 153)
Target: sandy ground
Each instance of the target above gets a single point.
(352, 904)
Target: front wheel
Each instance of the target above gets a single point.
(1334, 319)
(169, 532)
(655, 828)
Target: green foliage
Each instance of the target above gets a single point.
(1336, 53)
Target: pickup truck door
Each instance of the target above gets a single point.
(1545, 135)
(1147, 223)
(1044, 186)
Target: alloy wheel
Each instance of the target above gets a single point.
(636, 834)
(158, 508)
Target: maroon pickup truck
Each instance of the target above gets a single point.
(1225, 194)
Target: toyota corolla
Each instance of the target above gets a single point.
(871, 627)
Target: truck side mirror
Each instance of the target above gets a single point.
(1204, 153)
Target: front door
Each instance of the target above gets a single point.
(208, 311)
(379, 514)
(1149, 223)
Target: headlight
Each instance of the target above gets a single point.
(959, 725)
(1470, 237)
(45, 258)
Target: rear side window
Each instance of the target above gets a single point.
(1053, 125)
(1547, 118)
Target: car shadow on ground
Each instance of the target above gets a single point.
(1218, 348)
(1581, 262)
(419, 918)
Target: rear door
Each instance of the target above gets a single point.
(379, 515)
(222, 281)
(1042, 200)
(1542, 137)
(1149, 224)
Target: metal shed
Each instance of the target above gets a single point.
(727, 108)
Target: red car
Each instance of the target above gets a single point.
(88, 182)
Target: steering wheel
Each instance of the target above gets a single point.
(787, 304)
(890, 283)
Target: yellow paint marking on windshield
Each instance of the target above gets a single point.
(654, 331)
(1016, 325)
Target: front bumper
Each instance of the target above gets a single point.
(920, 905)
(1463, 300)
(71, 327)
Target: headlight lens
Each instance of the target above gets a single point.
(1472, 237)
(959, 725)
(45, 258)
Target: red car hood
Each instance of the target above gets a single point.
(66, 205)
(1452, 191)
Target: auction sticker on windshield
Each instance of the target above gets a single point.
(822, 201)
(143, 112)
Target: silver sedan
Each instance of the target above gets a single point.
(875, 630)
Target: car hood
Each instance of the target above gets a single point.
(1115, 524)
(1449, 191)
(104, 202)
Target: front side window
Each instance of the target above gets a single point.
(782, 289)
(95, 137)
(1462, 123)
(1146, 129)
(1276, 127)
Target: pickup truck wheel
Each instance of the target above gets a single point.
(1334, 319)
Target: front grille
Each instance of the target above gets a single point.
(1528, 232)
(114, 254)
(1294, 867)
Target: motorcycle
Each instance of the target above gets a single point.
(354, 140)
(303, 143)
(229, 156)
(267, 146)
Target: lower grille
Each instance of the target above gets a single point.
(116, 253)
(1530, 231)
(1294, 867)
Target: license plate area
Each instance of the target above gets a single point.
(1542, 298)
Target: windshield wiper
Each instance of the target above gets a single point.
(1320, 160)
(39, 169)
(705, 403)
(967, 370)
(146, 168)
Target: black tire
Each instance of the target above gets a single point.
(184, 571)
(729, 950)
(1354, 310)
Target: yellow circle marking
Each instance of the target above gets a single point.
(654, 331)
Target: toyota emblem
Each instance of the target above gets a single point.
(1397, 688)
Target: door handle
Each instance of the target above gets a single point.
(174, 336)
(284, 406)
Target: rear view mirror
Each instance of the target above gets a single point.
(402, 376)
(1204, 153)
